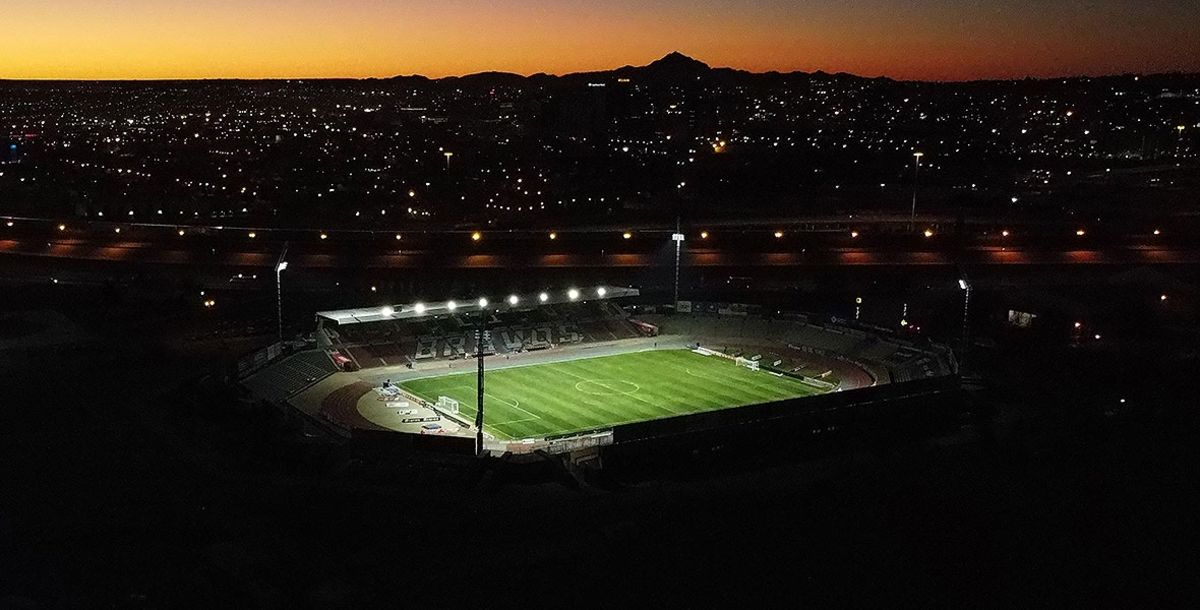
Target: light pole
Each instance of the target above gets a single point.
(448, 154)
(481, 335)
(912, 219)
(965, 285)
(280, 266)
(677, 237)
(1179, 143)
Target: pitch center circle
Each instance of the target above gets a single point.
(607, 387)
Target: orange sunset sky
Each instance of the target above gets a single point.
(919, 39)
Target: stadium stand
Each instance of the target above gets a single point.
(449, 337)
(884, 357)
(290, 375)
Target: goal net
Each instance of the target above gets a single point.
(447, 404)
(746, 362)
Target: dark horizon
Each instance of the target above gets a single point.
(613, 70)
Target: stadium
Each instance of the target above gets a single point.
(571, 371)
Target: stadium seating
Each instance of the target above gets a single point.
(449, 337)
(290, 375)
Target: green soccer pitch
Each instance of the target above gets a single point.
(540, 400)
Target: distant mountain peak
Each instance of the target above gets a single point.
(678, 61)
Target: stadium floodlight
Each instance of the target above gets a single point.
(677, 237)
(627, 235)
(419, 308)
(962, 284)
(601, 291)
(252, 235)
(573, 294)
(543, 297)
(387, 310)
(451, 305)
(553, 235)
(513, 300)
(704, 235)
(281, 267)
(476, 236)
(483, 302)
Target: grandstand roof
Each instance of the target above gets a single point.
(524, 302)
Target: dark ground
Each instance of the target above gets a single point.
(1040, 489)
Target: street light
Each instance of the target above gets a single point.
(916, 174)
(280, 267)
(965, 286)
(678, 238)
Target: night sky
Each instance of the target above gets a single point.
(919, 39)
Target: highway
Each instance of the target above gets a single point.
(263, 256)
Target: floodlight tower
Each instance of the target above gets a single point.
(964, 284)
(677, 237)
(912, 219)
(480, 334)
(280, 266)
